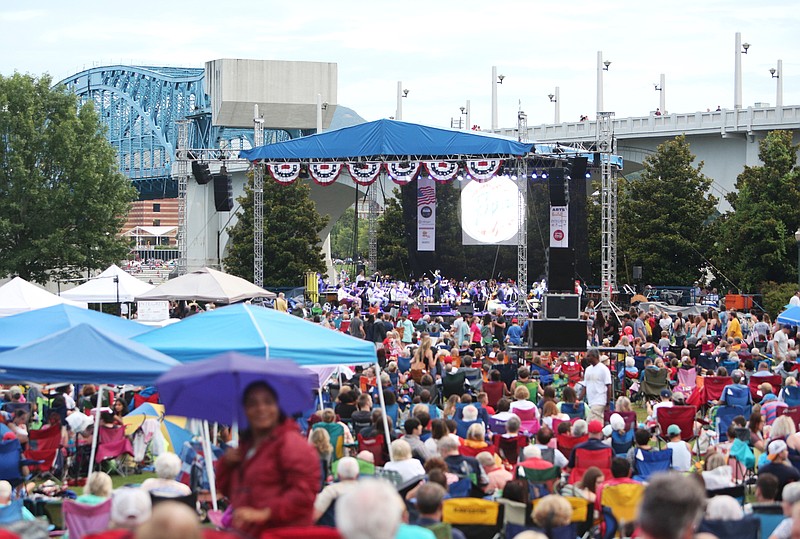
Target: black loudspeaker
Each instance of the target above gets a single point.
(577, 167)
(562, 306)
(637, 273)
(466, 309)
(435, 308)
(557, 335)
(578, 218)
(201, 172)
(223, 192)
(557, 179)
(561, 270)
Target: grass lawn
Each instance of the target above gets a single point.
(120, 481)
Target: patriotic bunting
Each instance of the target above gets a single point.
(402, 172)
(442, 171)
(324, 173)
(284, 172)
(364, 173)
(483, 169)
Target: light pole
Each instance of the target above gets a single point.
(797, 239)
(401, 93)
(740, 48)
(778, 75)
(556, 99)
(663, 99)
(320, 107)
(601, 66)
(496, 79)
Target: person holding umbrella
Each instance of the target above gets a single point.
(272, 478)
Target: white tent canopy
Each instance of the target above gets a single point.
(206, 284)
(20, 296)
(111, 286)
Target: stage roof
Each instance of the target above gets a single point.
(389, 139)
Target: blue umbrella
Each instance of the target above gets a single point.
(790, 316)
(33, 325)
(213, 389)
(257, 331)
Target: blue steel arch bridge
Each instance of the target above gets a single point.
(140, 106)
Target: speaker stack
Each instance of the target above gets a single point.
(201, 173)
(559, 192)
(223, 192)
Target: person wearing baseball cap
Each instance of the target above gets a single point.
(594, 443)
(779, 465)
(681, 452)
(666, 402)
(514, 333)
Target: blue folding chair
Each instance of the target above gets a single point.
(569, 531)
(10, 458)
(621, 442)
(461, 488)
(404, 364)
(791, 395)
(647, 463)
(736, 395)
(769, 521)
(483, 415)
(575, 410)
(463, 426)
(12, 512)
(725, 415)
(730, 366)
(747, 528)
(545, 376)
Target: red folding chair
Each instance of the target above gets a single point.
(113, 444)
(629, 417)
(586, 458)
(566, 442)
(509, 447)
(713, 386)
(793, 412)
(494, 391)
(45, 453)
(774, 380)
(574, 372)
(375, 445)
(468, 451)
(683, 416)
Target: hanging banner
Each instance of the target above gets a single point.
(324, 173)
(559, 226)
(402, 172)
(442, 171)
(483, 169)
(284, 172)
(426, 214)
(364, 173)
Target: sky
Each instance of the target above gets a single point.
(442, 50)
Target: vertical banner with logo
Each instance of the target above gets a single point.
(559, 226)
(426, 214)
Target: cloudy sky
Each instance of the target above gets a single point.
(442, 50)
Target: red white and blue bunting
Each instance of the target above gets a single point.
(284, 172)
(364, 173)
(324, 173)
(483, 169)
(402, 172)
(442, 171)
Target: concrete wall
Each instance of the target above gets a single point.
(286, 92)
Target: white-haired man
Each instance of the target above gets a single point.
(347, 471)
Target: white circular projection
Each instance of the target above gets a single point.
(489, 210)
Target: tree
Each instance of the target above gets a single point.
(342, 236)
(664, 217)
(756, 240)
(64, 200)
(291, 235)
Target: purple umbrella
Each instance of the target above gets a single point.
(213, 389)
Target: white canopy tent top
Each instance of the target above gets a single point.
(207, 284)
(112, 286)
(20, 296)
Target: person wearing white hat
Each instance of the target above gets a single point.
(779, 465)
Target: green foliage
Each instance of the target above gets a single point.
(63, 198)
(291, 235)
(663, 217)
(776, 296)
(755, 241)
(342, 236)
(392, 248)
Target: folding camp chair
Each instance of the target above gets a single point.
(729, 366)
(791, 395)
(474, 378)
(630, 418)
(403, 364)
(566, 442)
(509, 447)
(653, 382)
(83, 519)
(575, 410)
(574, 372)
(44, 447)
(476, 518)
(453, 384)
(737, 492)
(582, 514)
(748, 527)
(561, 532)
(336, 433)
(540, 481)
(494, 392)
(113, 445)
(793, 412)
(586, 458)
(736, 395)
(770, 518)
(774, 380)
(545, 374)
(10, 459)
(706, 362)
(724, 418)
(508, 372)
(375, 445)
(683, 416)
(646, 463)
(687, 380)
(713, 386)
(621, 442)
(11, 512)
(527, 419)
(302, 532)
(463, 426)
(623, 500)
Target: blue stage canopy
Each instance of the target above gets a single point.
(389, 138)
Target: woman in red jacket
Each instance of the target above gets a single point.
(272, 478)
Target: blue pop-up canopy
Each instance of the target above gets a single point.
(84, 355)
(257, 331)
(389, 138)
(790, 316)
(33, 325)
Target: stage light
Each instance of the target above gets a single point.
(514, 177)
(588, 175)
(534, 176)
(469, 177)
(544, 175)
(460, 178)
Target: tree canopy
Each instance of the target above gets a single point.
(64, 199)
(291, 235)
(664, 217)
(755, 241)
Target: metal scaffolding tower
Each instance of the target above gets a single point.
(372, 193)
(258, 204)
(522, 220)
(182, 173)
(608, 195)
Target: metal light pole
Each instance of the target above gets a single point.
(740, 48)
(663, 99)
(601, 66)
(556, 99)
(496, 79)
(319, 113)
(469, 116)
(778, 74)
(399, 113)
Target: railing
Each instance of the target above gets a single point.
(721, 121)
